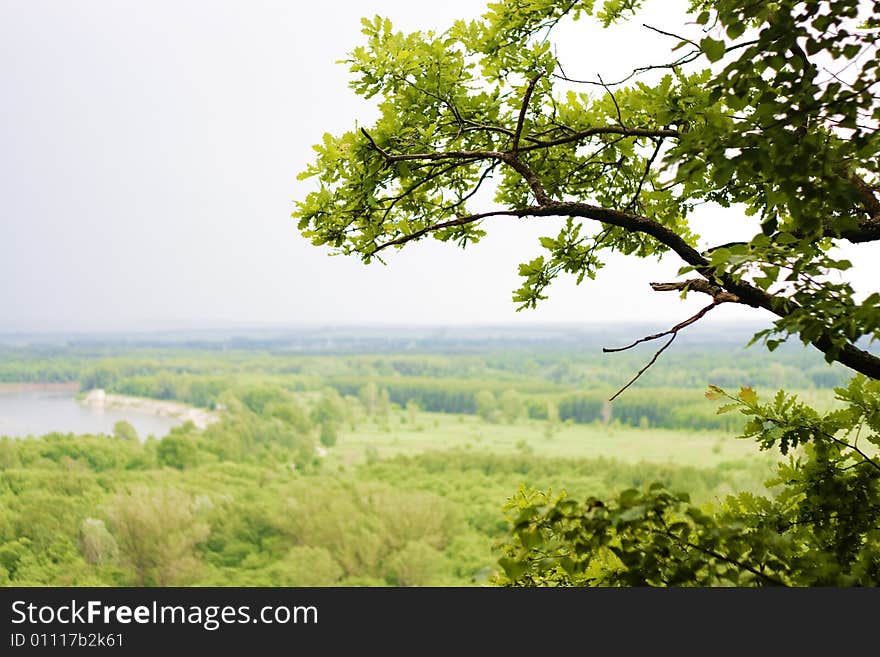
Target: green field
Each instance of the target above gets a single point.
(437, 431)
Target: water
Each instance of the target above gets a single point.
(44, 411)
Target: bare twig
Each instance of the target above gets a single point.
(670, 34)
(424, 181)
(657, 336)
(687, 58)
(644, 369)
(673, 333)
(465, 197)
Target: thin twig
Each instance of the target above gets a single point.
(867, 459)
(604, 130)
(687, 58)
(465, 197)
(382, 152)
(670, 34)
(657, 336)
(459, 221)
(673, 333)
(613, 100)
(523, 111)
(632, 204)
(409, 190)
(644, 369)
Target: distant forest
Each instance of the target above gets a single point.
(362, 458)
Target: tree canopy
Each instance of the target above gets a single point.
(768, 108)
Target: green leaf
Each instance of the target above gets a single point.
(748, 395)
(512, 568)
(735, 30)
(714, 49)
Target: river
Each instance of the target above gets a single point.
(37, 412)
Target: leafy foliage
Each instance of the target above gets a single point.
(819, 529)
(771, 110)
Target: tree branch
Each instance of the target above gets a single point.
(613, 100)
(674, 329)
(868, 230)
(459, 221)
(529, 176)
(632, 204)
(523, 111)
(857, 359)
(603, 130)
(498, 155)
(869, 227)
(697, 285)
(622, 219)
(673, 332)
(645, 368)
(670, 34)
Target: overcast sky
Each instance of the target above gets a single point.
(148, 161)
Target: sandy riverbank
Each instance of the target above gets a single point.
(200, 417)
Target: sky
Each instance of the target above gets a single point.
(148, 162)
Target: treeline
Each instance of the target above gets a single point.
(506, 386)
(667, 408)
(525, 368)
(39, 371)
(653, 407)
(494, 400)
(203, 391)
(641, 407)
(437, 395)
(251, 430)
